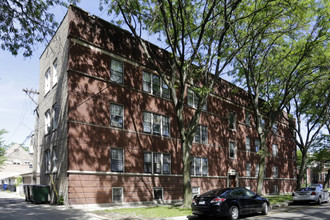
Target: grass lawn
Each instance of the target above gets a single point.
(153, 212)
(279, 198)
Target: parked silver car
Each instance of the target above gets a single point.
(311, 194)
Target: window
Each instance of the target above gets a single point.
(248, 169)
(247, 144)
(117, 160)
(275, 128)
(54, 161)
(275, 150)
(275, 172)
(47, 81)
(257, 145)
(275, 189)
(48, 125)
(153, 84)
(201, 135)
(55, 75)
(117, 71)
(157, 163)
(117, 115)
(195, 190)
(232, 150)
(158, 193)
(257, 170)
(232, 120)
(47, 155)
(55, 116)
(265, 172)
(117, 194)
(156, 124)
(193, 100)
(199, 166)
(247, 118)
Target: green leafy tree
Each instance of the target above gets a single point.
(2, 147)
(321, 148)
(287, 45)
(23, 24)
(310, 108)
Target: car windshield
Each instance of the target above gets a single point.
(307, 189)
(215, 192)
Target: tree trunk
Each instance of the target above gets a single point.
(262, 162)
(302, 168)
(187, 193)
(326, 181)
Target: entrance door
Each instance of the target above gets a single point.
(232, 181)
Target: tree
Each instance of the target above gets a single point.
(286, 46)
(199, 37)
(23, 24)
(311, 109)
(2, 147)
(321, 148)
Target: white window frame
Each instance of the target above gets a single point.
(248, 144)
(247, 117)
(233, 116)
(192, 100)
(121, 196)
(162, 163)
(275, 150)
(163, 120)
(47, 81)
(150, 90)
(123, 160)
(235, 150)
(117, 74)
(113, 123)
(199, 132)
(55, 72)
(55, 112)
(54, 160)
(153, 193)
(202, 161)
(275, 172)
(47, 161)
(197, 189)
(257, 170)
(48, 122)
(275, 189)
(248, 169)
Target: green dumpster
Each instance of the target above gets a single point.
(39, 193)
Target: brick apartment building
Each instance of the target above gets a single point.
(107, 131)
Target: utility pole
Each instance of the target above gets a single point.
(30, 91)
(35, 149)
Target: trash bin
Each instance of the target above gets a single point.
(5, 186)
(39, 193)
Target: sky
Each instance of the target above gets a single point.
(17, 115)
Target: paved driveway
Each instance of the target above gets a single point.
(14, 207)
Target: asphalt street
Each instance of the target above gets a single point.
(14, 207)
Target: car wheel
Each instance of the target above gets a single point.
(233, 212)
(319, 201)
(264, 209)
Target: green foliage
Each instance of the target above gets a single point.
(60, 200)
(23, 24)
(2, 147)
(321, 149)
(18, 181)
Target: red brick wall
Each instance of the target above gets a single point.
(90, 136)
